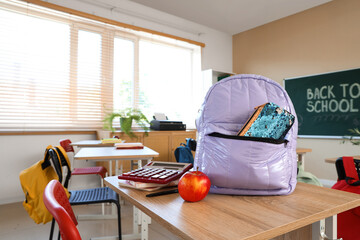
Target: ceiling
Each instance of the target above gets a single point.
(231, 16)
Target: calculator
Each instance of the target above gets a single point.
(157, 172)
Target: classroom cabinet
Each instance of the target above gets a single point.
(163, 142)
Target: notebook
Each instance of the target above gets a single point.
(268, 121)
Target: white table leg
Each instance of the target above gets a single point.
(139, 163)
(136, 220)
(145, 221)
(325, 229)
(110, 168)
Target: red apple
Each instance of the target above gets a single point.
(193, 186)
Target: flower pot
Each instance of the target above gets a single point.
(125, 124)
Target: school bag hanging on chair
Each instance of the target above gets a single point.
(33, 181)
(249, 164)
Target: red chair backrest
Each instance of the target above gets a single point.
(65, 143)
(57, 203)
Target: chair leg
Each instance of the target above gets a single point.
(103, 204)
(52, 229)
(119, 219)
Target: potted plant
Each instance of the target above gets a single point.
(127, 116)
(355, 133)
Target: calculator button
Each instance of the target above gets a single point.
(162, 177)
(155, 176)
(150, 174)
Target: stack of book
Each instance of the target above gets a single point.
(136, 145)
(111, 140)
(146, 186)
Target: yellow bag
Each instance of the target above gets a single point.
(33, 182)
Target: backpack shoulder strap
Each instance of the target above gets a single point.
(64, 160)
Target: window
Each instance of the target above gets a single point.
(61, 72)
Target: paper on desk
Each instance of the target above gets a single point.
(159, 116)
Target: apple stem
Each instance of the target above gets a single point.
(197, 169)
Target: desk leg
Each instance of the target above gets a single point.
(136, 220)
(301, 159)
(116, 168)
(325, 228)
(140, 218)
(140, 162)
(145, 221)
(110, 168)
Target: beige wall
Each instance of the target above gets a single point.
(322, 39)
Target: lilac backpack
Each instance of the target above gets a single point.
(238, 165)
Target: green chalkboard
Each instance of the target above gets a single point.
(328, 104)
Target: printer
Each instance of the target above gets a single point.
(167, 125)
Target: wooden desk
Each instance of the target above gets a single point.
(301, 155)
(111, 153)
(240, 217)
(333, 160)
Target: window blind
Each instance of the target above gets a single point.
(62, 72)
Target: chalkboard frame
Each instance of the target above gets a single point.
(323, 77)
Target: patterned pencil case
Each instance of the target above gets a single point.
(268, 121)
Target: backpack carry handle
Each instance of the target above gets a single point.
(52, 156)
(352, 174)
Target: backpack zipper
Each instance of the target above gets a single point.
(256, 139)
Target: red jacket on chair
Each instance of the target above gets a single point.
(348, 222)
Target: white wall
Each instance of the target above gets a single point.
(21, 151)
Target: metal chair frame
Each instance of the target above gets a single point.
(87, 196)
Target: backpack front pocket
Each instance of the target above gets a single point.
(245, 162)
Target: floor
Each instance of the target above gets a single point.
(15, 223)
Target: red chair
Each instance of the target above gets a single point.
(99, 170)
(57, 203)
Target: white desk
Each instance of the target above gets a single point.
(111, 153)
(91, 143)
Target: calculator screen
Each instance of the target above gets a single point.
(174, 166)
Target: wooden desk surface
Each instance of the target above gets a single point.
(333, 160)
(240, 217)
(91, 143)
(303, 150)
(111, 153)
